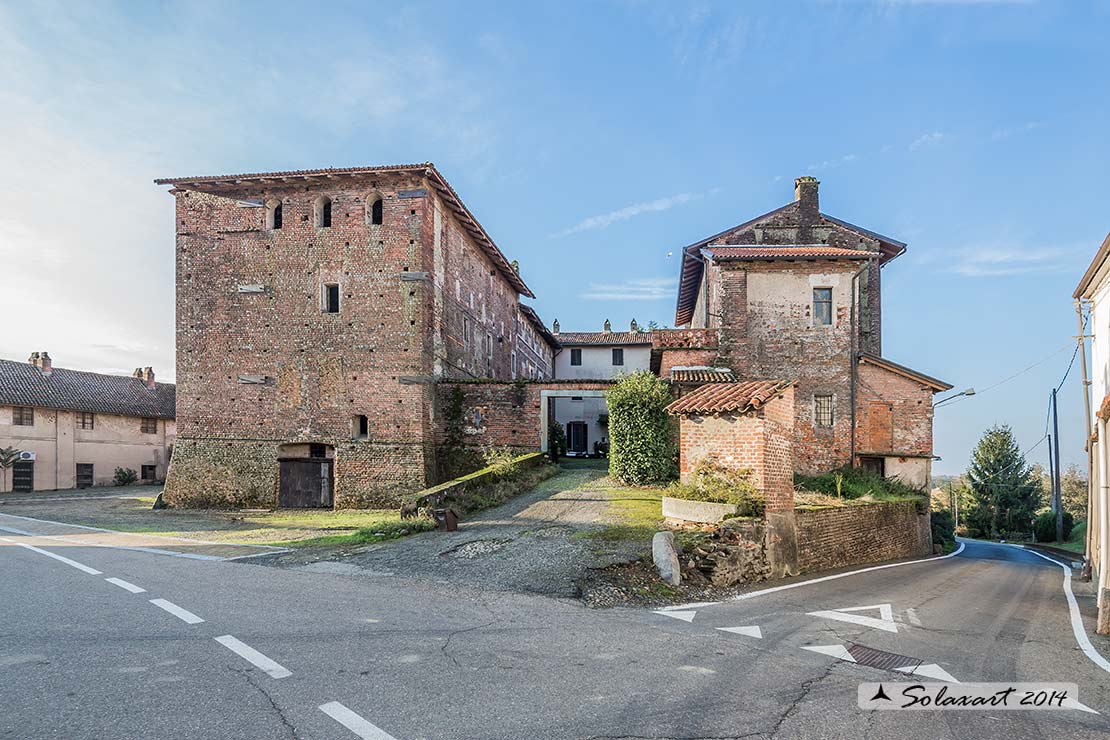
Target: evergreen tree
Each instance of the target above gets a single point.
(1007, 491)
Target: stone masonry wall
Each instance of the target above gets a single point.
(854, 535)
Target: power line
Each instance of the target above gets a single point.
(1018, 373)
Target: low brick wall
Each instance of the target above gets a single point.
(854, 535)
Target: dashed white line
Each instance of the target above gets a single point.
(79, 566)
(126, 586)
(245, 651)
(354, 722)
(183, 614)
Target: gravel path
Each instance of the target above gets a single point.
(533, 544)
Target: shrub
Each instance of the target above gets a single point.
(501, 461)
(710, 481)
(125, 476)
(642, 447)
(556, 441)
(852, 483)
(943, 526)
(1044, 526)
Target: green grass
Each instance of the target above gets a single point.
(387, 530)
(850, 484)
(1077, 541)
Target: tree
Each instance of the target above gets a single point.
(1006, 490)
(1073, 492)
(641, 444)
(8, 458)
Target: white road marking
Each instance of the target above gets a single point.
(79, 566)
(353, 722)
(246, 652)
(126, 586)
(1077, 627)
(885, 621)
(183, 614)
(752, 631)
(837, 651)
(686, 616)
(929, 670)
(799, 584)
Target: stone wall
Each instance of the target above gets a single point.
(855, 535)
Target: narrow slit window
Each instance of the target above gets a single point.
(331, 298)
(823, 410)
(362, 427)
(323, 212)
(822, 306)
(273, 215)
(376, 212)
(277, 216)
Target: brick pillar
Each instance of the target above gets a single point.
(777, 480)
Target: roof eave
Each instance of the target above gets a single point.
(1083, 290)
(936, 384)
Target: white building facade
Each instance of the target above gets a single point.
(1093, 296)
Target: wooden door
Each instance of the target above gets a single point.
(880, 423)
(23, 476)
(305, 483)
(577, 437)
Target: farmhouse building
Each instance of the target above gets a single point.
(74, 428)
(315, 311)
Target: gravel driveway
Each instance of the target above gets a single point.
(533, 544)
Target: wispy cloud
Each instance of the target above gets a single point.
(829, 164)
(925, 140)
(1001, 261)
(1007, 132)
(642, 289)
(623, 214)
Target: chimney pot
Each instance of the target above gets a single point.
(555, 326)
(145, 374)
(608, 327)
(42, 361)
(634, 327)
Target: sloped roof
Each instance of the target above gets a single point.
(602, 338)
(692, 265)
(23, 384)
(702, 374)
(894, 367)
(717, 398)
(223, 184)
(1083, 290)
(791, 252)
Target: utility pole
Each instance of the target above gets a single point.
(1057, 498)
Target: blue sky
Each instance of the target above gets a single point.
(591, 140)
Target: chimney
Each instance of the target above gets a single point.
(42, 361)
(145, 374)
(634, 327)
(805, 192)
(608, 327)
(555, 327)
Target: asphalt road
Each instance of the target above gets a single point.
(83, 657)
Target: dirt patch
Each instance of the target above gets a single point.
(474, 549)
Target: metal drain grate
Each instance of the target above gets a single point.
(881, 658)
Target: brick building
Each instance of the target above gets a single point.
(315, 311)
(74, 428)
(795, 294)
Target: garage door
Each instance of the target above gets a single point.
(305, 483)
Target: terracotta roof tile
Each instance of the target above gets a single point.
(817, 251)
(23, 384)
(603, 338)
(716, 398)
(702, 375)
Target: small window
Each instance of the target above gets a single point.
(618, 356)
(361, 427)
(323, 212)
(823, 410)
(331, 298)
(84, 475)
(85, 420)
(576, 356)
(23, 416)
(376, 212)
(149, 426)
(149, 472)
(822, 307)
(318, 451)
(273, 215)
